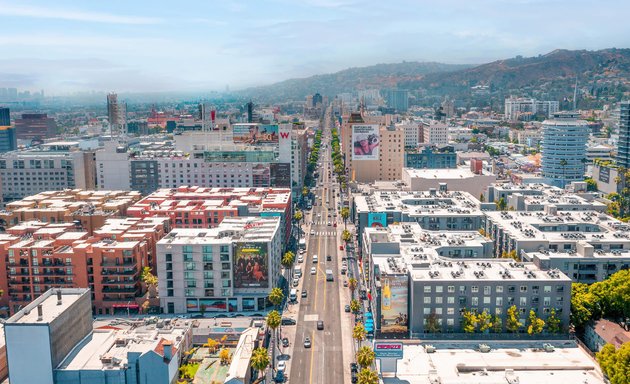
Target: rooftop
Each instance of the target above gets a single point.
(442, 174)
(239, 228)
(415, 203)
(522, 363)
(51, 306)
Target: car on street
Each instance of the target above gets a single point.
(320, 325)
(329, 224)
(285, 342)
(300, 258)
(307, 342)
(304, 293)
(329, 258)
(347, 308)
(296, 282)
(282, 366)
(287, 321)
(345, 283)
(313, 270)
(312, 232)
(335, 224)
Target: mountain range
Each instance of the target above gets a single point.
(600, 74)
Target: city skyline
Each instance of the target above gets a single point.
(146, 47)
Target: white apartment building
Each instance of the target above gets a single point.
(515, 107)
(435, 133)
(229, 268)
(564, 148)
(412, 133)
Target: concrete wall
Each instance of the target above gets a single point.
(70, 327)
(29, 354)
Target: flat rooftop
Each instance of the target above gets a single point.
(50, 308)
(442, 174)
(418, 203)
(462, 363)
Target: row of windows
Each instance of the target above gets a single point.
(488, 289)
(488, 300)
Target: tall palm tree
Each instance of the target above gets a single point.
(259, 360)
(345, 213)
(563, 164)
(367, 376)
(365, 356)
(359, 334)
(352, 284)
(273, 322)
(276, 296)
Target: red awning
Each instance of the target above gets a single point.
(125, 306)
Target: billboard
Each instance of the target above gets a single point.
(604, 175)
(255, 133)
(377, 219)
(394, 300)
(251, 266)
(386, 349)
(365, 142)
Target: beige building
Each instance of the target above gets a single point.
(391, 150)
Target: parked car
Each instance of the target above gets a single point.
(288, 321)
(285, 342)
(345, 283)
(282, 366)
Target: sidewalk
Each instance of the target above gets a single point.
(347, 319)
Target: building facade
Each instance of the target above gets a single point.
(564, 149)
(431, 157)
(517, 107)
(35, 127)
(623, 145)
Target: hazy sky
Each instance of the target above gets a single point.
(138, 45)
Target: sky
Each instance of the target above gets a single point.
(154, 46)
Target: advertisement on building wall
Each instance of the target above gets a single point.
(284, 133)
(377, 219)
(365, 142)
(255, 133)
(604, 175)
(394, 299)
(251, 267)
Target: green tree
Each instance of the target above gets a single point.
(513, 324)
(288, 259)
(591, 185)
(259, 360)
(432, 323)
(352, 285)
(276, 296)
(469, 323)
(497, 324)
(359, 333)
(484, 321)
(365, 356)
(615, 363)
(535, 324)
(554, 325)
(501, 204)
(482, 198)
(345, 213)
(298, 216)
(150, 280)
(346, 235)
(367, 376)
(225, 357)
(355, 306)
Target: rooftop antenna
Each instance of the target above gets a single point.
(575, 94)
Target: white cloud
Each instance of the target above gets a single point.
(74, 15)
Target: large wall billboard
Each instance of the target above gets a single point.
(365, 142)
(251, 266)
(394, 301)
(377, 219)
(255, 133)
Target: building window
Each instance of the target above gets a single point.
(450, 300)
(427, 300)
(474, 301)
(427, 289)
(523, 288)
(487, 290)
(438, 289)
(438, 300)
(168, 257)
(474, 289)
(499, 289)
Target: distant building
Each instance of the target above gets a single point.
(397, 99)
(435, 133)
(564, 148)
(623, 145)
(35, 127)
(5, 117)
(515, 107)
(603, 332)
(117, 115)
(431, 157)
(8, 138)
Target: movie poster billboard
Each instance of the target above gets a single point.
(365, 142)
(377, 219)
(255, 133)
(394, 303)
(251, 266)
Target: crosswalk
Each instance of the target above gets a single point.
(324, 233)
(323, 222)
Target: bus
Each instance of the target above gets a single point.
(329, 275)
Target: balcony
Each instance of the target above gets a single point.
(127, 271)
(118, 282)
(120, 290)
(118, 263)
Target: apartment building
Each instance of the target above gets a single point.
(417, 289)
(432, 210)
(56, 165)
(431, 157)
(38, 256)
(534, 197)
(435, 133)
(88, 210)
(386, 158)
(519, 107)
(228, 268)
(198, 207)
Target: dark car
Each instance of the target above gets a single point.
(320, 325)
(304, 294)
(353, 378)
(347, 308)
(285, 342)
(328, 258)
(288, 321)
(354, 367)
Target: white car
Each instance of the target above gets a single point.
(313, 271)
(282, 365)
(301, 259)
(296, 282)
(312, 233)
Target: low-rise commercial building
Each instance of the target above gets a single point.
(535, 197)
(418, 289)
(455, 179)
(228, 268)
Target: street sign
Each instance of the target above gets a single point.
(387, 349)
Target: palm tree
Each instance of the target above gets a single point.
(355, 306)
(276, 296)
(352, 284)
(367, 376)
(359, 333)
(563, 164)
(259, 360)
(345, 213)
(365, 356)
(273, 322)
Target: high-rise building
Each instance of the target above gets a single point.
(35, 127)
(435, 133)
(117, 115)
(5, 118)
(397, 99)
(564, 148)
(623, 145)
